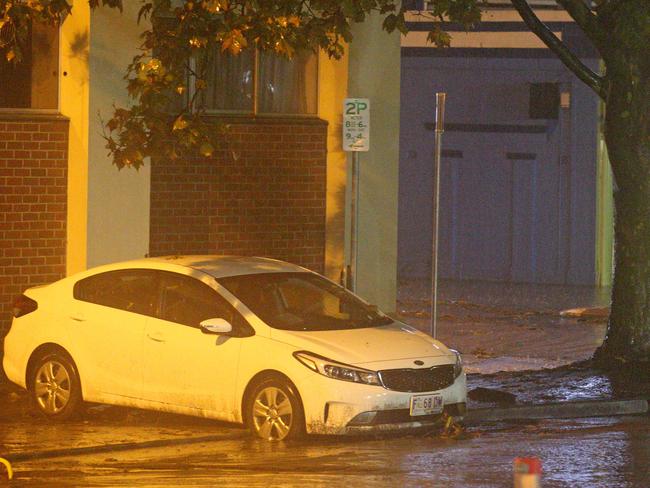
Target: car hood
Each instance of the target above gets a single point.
(372, 347)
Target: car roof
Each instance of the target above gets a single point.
(219, 266)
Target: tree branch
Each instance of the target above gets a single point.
(570, 60)
(608, 7)
(587, 21)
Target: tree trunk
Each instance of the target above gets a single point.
(627, 133)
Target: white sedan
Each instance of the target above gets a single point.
(251, 340)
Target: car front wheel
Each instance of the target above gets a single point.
(275, 411)
(55, 387)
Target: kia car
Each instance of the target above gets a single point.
(256, 341)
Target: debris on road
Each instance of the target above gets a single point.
(491, 395)
(586, 312)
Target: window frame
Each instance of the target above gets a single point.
(274, 278)
(241, 326)
(42, 111)
(106, 274)
(246, 329)
(254, 112)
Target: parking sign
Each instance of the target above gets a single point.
(356, 124)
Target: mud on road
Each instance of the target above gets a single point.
(601, 453)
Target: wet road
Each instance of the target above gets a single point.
(600, 453)
(575, 453)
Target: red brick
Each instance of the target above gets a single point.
(34, 240)
(267, 200)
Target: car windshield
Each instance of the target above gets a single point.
(302, 301)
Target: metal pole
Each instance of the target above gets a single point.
(440, 128)
(354, 221)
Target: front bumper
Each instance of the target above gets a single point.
(398, 420)
(334, 406)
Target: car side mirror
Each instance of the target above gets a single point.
(216, 326)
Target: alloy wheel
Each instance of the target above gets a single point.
(272, 414)
(52, 387)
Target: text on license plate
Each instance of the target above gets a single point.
(426, 404)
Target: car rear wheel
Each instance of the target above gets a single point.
(55, 387)
(275, 411)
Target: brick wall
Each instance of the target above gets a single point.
(33, 194)
(262, 194)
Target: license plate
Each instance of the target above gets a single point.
(426, 404)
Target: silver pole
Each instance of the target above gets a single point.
(440, 128)
(354, 220)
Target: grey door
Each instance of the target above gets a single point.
(503, 205)
(517, 192)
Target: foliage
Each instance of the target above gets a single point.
(16, 17)
(181, 39)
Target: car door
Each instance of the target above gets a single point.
(109, 312)
(186, 367)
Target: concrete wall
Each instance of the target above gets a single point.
(374, 73)
(118, 201)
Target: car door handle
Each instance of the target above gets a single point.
(156, 337)
(78, 317)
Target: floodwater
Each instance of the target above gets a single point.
(595, 453)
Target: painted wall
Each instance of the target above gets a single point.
(73, 103)
(519, 203)
(374, 73)
(332, 90)
(518, 195)
(118, 201)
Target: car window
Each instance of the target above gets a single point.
(188, 301)
(302, 301)
(133, 290)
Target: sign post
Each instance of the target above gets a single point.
(440, 128)
(356, 139)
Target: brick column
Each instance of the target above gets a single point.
(33, 193)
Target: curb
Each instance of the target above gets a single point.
(127, 446)
(563, 410)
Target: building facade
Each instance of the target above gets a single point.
(525, 187)
(276, 187)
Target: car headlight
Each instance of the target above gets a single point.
(336, 370)
(458, 366)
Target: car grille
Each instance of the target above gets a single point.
(417, 380)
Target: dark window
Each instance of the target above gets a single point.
(133, 290)
(16, 82)
(252, 82)
(302, 301)
(33, 81)
(262, 83)
(189, 301)
(544, 100)
(230, 82)
(287, 86)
